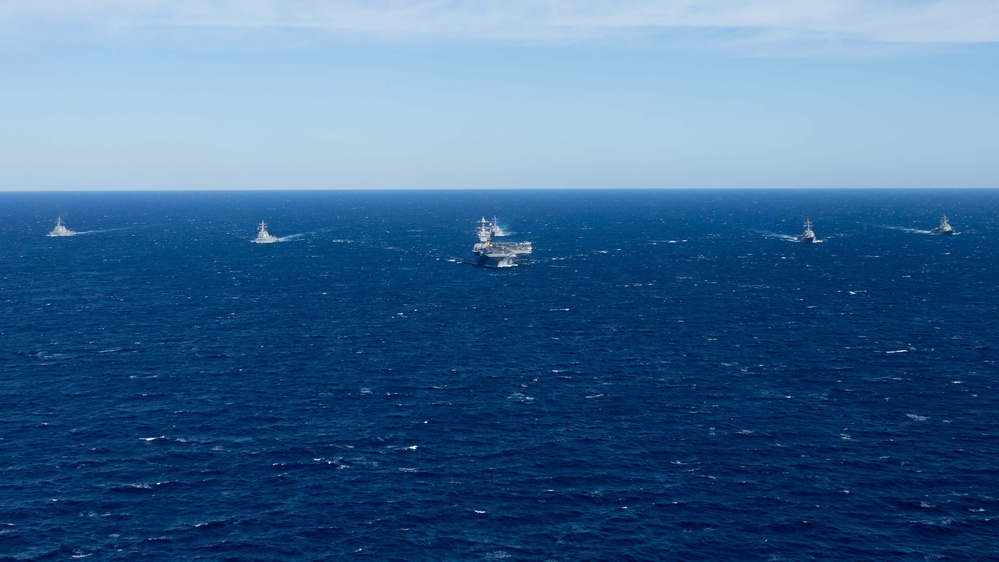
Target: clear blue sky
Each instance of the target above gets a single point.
(304, 94)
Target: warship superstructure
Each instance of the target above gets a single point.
(497, 254)
(944, 228)
(264, 237)
(61, 230)
(807, 236)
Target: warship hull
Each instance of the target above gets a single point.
(496, 261)
(500, 255)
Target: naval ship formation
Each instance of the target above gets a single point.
(497, 254)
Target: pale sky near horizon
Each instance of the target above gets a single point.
(398, 94)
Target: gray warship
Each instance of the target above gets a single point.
(497, 254)
(807, 236)
(264, 237)
(61, 230)
(945, 228)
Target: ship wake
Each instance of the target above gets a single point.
(904, 229)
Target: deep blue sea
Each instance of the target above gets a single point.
(668, 377)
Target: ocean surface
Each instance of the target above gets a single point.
(668, 377)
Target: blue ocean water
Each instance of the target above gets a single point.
(668, 377)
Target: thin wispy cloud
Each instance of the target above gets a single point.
(871, 21)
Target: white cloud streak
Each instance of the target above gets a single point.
(870, 21)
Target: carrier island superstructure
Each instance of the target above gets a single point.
(496, 254)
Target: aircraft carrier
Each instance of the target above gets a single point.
(496, 254)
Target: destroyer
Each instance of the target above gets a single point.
(494, 228)
(61, 230)
(944, 228)
(264, 237)
(497, 254)
(807, 236)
